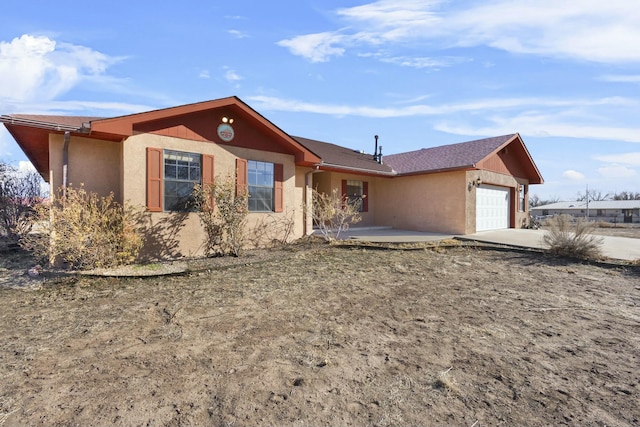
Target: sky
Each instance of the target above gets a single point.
(563, 74)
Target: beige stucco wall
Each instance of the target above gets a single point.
(176, 235)
(434, 202)
(95, 164)
(326, 181)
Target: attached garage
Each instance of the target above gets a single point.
(492, 208)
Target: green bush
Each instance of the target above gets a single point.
(572, 237)
(85, 231)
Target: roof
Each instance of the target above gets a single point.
(599, 204)
(485, 154)
(455, 156)
(49, 121)
(31, 131)
(32, 134)
(335, 156)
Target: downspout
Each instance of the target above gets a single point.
(65, 163)
(307, 184)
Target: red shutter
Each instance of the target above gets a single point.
(241, 176)
(278, 178)
(365, 194)
(208, 173)
(154, 179)
(344, 196)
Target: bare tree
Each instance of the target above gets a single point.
(535, 200)
(594, 196)
(627, 195)
(20, 192)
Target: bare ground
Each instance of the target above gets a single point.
(321, 335)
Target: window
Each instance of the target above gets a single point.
(260, 183)
(181, 173)
(264, 182)
(171, 176)
(356, 192)
(522, 193)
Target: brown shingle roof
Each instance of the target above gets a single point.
(454, 156)
(344, 158)
(65, 121)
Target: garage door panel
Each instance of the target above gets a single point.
(492, 208)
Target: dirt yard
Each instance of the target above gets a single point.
(320, 335)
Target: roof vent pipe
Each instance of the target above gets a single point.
(375, 150)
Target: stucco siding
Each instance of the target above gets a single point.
(434, 202)
(326, 181)
(182, 234)
(94, 164)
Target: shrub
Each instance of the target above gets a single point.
(224, 224)
(85, 231)
(333, 213)
(573, 238)
(20, 194)
(272, 230)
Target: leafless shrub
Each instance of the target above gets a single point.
(225, 221)
(20, 194)
(333, 213)
(272, 230)
(572, 237)
(84, 231)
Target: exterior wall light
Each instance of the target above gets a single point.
(474, 183)
(226, 119)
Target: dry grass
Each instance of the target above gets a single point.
(572, 237)
(318, 334)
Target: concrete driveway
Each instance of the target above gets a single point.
(622, 248)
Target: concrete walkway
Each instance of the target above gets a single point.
(621, 248)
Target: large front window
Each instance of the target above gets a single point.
(181, 173)
(260, 183)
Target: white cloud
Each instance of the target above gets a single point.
(573, 175)
(616, 171)
(564, 123)
(204, 74)
(36, 67)
(631, 159)
(238, 34)
(582, 29)
(25, 167)
(423, 62)
(589, 30)
(317, 47)
(231, 76)
(508, 115)
(621, 78)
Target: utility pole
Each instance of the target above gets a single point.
(587, 202)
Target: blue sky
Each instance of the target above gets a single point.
(418, 73)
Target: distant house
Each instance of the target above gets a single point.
(626, 211)
(154, 158)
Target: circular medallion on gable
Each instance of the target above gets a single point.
(225, 132)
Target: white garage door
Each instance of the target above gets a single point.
(492, 208)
